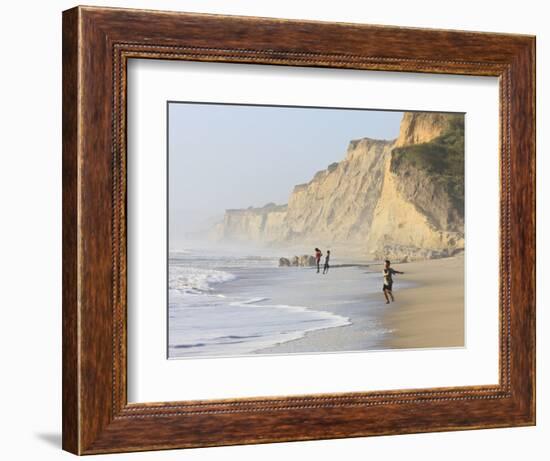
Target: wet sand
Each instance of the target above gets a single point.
(428, 312)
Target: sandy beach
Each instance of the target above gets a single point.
(428, 312)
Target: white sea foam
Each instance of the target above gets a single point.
(329, 319)
(250, 301)
(228, 305)
(195, 280)
(242, 327)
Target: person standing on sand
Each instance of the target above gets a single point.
(327, 257)
(318, 255)
(388, 280)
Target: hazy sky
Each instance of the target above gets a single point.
(235, 156)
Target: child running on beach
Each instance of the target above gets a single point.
(388, 280)
(327, 257)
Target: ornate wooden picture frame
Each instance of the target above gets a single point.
(97, 44)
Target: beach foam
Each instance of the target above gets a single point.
(227, 305)
(242, 327)
(195, 280)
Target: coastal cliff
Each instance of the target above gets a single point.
(263, 224)
(399, 199)
(421, 127)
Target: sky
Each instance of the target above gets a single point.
(235, 156)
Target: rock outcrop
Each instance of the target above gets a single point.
(298, 261)
(401, 198)
(284, 262)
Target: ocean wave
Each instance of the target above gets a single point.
(251, 301)
(311, 315)
(215, 260)
(194, 280)
(244, 327)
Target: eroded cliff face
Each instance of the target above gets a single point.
(266, 224)
(338, 204)
(410, 220)
(421, 127)
(385, 198)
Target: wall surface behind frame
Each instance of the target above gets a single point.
(30, 240)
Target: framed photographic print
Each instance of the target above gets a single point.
(282, 230)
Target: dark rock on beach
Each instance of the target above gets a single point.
(284, 262)
(297, 261)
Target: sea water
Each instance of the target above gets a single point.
(227, 303)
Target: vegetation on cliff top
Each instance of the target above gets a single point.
(442, 159)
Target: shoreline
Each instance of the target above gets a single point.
(428, 312)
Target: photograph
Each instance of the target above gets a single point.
(306, 230)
